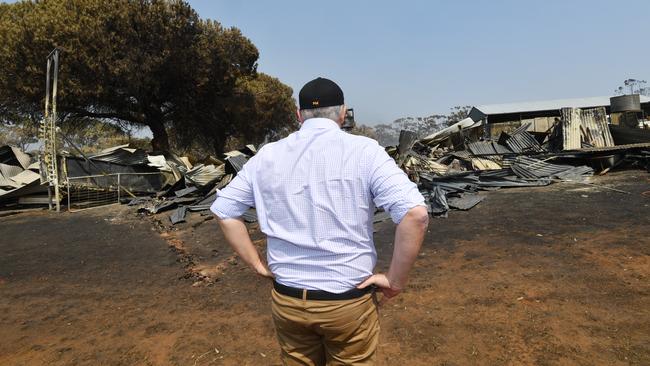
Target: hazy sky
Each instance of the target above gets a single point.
(416, 58)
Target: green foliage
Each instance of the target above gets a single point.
(147, 63)
(267, 109)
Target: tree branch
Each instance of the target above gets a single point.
(112, 115)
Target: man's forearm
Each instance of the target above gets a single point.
(408, 240)
(237, 237)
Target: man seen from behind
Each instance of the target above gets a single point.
(315, 193)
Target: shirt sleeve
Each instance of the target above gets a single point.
(236, 198)
(391, 188)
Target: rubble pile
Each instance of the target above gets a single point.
(451, 166)
(19, 177)
(195, 187)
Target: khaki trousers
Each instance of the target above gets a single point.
(332, 332)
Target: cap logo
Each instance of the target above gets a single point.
(315, 102)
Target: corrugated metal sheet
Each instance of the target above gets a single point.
(8, 183)
(12, 155)
(185, 191)
(437, 201)
(26, 177)
(487, 148)
(237, 162)
(575, 173)
(587, 126)
(594, 127)
(529, 168)
(520, 141)
(465, 201)
(490, 174)
(121, 155)
(178, 215)
(202, 175)
(571, 129)
(9, 171)
(523, 143)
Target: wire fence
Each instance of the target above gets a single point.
(100, 190)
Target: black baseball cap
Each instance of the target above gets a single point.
(320, 93)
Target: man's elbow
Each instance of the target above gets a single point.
(419, 216)
(222, 220)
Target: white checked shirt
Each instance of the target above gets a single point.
(315, 194)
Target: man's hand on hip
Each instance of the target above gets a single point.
(264, 271)
(383, 284)
(237, 236)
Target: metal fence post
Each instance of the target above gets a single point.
(119, 187)
(67, 183)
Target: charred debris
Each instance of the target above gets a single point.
(451, 167)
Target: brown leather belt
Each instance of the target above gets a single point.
(320, 294)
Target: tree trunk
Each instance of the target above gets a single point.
(160, 140)
(218, 145)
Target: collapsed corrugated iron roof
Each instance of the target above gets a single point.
(122, 155)
(449, 175)
(18, 175)
(452, 179)
(12, 155)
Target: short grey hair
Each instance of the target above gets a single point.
(333, 113)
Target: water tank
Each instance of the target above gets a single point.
(625, 103)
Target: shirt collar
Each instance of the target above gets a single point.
(319, 123)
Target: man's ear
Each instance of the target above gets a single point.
(299, 116)
(344, 110)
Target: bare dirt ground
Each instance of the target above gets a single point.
(542, 276)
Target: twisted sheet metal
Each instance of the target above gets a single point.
(237, 162)
(121, 155)
(12, 155)
(487, 148)
(529, 168)
(464, 201)
(202, 175)
(521, 141)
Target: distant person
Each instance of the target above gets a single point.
(315, 194)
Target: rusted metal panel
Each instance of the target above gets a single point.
(571, 129)
(587, 126)
(594, 128)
